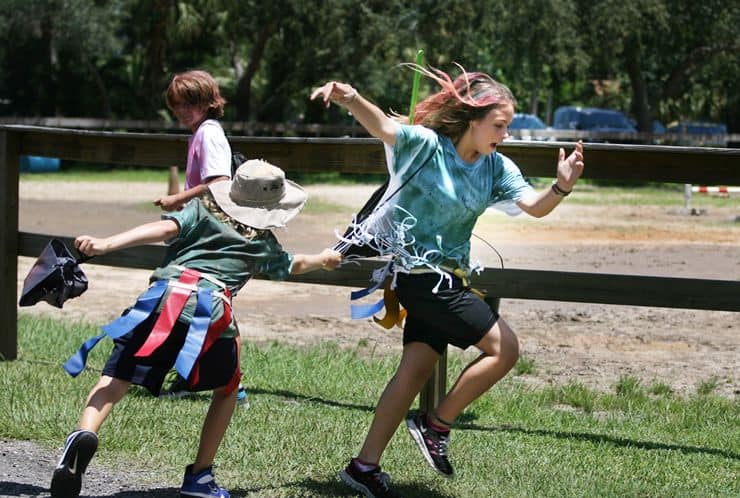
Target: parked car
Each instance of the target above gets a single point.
(524, 126)
(658, 127)
(592, 119)
(705, 133)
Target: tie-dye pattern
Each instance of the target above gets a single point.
(429, 221)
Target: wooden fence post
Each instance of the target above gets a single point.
(436, 386)
(9, 148)
(173, 185)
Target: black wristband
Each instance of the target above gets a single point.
(558, 191)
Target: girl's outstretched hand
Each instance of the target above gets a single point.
(570, 168)
(335, 91)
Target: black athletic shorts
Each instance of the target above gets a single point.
(454, 315)
(217, 365)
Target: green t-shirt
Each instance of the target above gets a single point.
(211, 247)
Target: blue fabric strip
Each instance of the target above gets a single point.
(197, 332)
(76, 363)
(366, 310)
(142, 309)
(354, 295)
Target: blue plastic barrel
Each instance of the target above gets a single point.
(39, 164)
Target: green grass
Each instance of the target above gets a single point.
(104, 174)
(588, 192)
(643, 194)
(93, 173)
(310, 408)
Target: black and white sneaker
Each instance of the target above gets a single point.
(178, 388)
(372, 483)
(78, 451)
(433, 444)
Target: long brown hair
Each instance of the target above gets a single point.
(468, 98)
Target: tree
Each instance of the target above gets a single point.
(662, 48)
(53, 51)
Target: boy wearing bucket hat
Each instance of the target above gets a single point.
(216, 244)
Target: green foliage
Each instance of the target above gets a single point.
(524, 366)
(310, 408)
(708, 386)
(660, 389)
(578, 396)
(113, 58)
(629, 386)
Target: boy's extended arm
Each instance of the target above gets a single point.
(375, 121)
(327, 259)
(149, 233)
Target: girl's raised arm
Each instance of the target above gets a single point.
(375, 121)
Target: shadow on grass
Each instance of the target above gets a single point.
(601, 438)
(253, 391)
(330, 487)
(465, 422)
(312, 399)
(29, 490)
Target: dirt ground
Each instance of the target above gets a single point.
(588, 343)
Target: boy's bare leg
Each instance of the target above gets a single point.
(417, 362)
(501, 351)
(80, 447)
(106, 393)
(214, 427)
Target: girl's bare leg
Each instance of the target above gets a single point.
(500, 352)
(417, 362)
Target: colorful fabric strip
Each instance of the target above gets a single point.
(76, 363)
(365, 310)
(168, 316)
(199, 337)
(214, 332)
(354, 295)
(144, 307)
(141, 310)
(394, 314)
(196, 334)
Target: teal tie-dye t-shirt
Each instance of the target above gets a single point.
(430, 219)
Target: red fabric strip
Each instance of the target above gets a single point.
(170, 313)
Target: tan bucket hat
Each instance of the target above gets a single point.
(259, 195)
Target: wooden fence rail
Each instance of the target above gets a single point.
(605, 161)
(355, 130)
(580, 287)
(697, 165)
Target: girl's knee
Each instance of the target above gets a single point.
(502, 342)
(510, 344)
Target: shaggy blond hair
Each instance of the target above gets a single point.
(212, 206)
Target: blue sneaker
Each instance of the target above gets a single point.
(241, 397)
(78, 451)
(201, 485)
